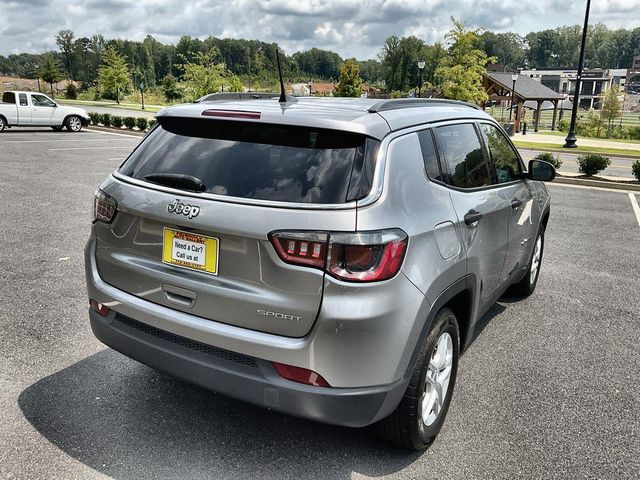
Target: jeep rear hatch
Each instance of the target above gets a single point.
(196, 203)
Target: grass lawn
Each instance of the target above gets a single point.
(564, 134)
(554, 147)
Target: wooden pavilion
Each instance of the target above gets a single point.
(499, 87)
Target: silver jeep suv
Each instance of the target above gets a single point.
(326, 258)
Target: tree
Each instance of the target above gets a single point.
(461, 71)
(350, 83)
(50, 71)
(202, 76)
(235, 85)
(170, 88)
(113, 75)
(65, 42)
(508, 48)
(611, 108)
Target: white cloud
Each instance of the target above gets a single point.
(350, 27)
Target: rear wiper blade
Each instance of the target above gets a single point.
(177, 180)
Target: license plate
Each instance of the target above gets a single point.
(190, 250)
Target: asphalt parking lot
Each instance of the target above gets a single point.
(549, 388)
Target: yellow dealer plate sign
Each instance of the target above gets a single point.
(190, 250)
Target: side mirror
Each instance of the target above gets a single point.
(55, 105)
(541, 171)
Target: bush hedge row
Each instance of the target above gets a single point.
(108, 120)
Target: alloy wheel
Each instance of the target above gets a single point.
(437, 379)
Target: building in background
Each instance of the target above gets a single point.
(595, 83)
(633, 77)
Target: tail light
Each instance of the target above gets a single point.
(104, 207)
(353, 257)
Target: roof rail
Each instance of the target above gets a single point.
(399, 103)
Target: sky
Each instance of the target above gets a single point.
(352, 28)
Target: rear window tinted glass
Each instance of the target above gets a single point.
(462, 153)
(429, 155)
(252, 160)
(9, 97)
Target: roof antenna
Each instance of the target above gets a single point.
(284, 98)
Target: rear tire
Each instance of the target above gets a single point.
(3, 123)
(73, 123)
(527, 285)
(57, 128)
(417, 420)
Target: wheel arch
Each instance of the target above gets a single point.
(460, 298)
(545, 217)
(69, 115)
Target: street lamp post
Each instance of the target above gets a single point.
(420, 68)
(514, 78)
(570, 141)
(142, 93)
(38, 75)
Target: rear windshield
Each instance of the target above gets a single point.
(258, 161)
(9, 97)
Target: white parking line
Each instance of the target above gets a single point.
(113, 133)
(126, 147)
(604, 189)
(52, 141)
(634, 204)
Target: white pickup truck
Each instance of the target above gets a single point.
(31, 109)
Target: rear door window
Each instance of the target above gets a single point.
(462, 156)
(23, 99)
(257, 161)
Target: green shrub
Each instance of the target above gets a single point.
(95, 118)
(152, 122)
(71, 93)
(563, 125)
(116, 121)
(635, 168)
(106, 119)
(592, 163)
(550, 158)
(634, 132)
(129, 122)
(142, 123)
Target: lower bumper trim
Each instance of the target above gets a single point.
(242, 377)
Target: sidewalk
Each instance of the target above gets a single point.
(582, 141)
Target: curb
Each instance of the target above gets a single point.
(627, 186)
(633, 156)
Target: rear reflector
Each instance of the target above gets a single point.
(231, 114)
(353, 257)
(300, 375)
(100, 308)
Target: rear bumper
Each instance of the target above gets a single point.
(243, 377)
